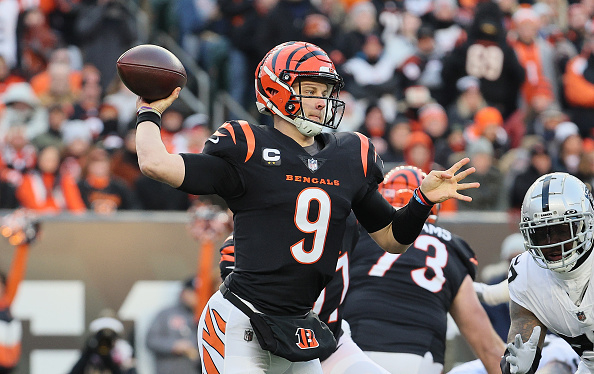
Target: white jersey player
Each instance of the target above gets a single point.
(549, 286)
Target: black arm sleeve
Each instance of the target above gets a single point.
(206, 175)
(375, 213)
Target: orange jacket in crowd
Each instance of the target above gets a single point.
(41, 192)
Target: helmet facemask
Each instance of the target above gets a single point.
(556, 244)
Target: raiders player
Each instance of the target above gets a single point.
(549, 284)
(397, 305)
(291, 188)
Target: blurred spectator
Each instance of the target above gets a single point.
(579, 88)
(7, 77)
(105, 351)
(109, 137)
(124, 100)
(443, 17)
(398, 135)
(53, 135)
(78, 138)
(197, 131)
(89, 99)
(577, 23)
(172, 336)
(414, 98)
(241, 21)
(489, 197)
(434, 122)
(106, 30)
(375, 128)
(536, 56)
(469, 101)
(569, 148)
(586, 167)
(488, 123)
(124, 161)
(401, 45)
(544, 125)
(307, 24)
(23, 109)
(419, 152)
(46, 190)
(59, 83)
(360, 22)
(172, 122)
(101, 191)
(9, 16)
(369, 74)
(354, 112)
(486, 55)
(36, 42)
(423, 67)
(18, 155)
(540, 164)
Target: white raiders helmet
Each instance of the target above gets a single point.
(557, 219)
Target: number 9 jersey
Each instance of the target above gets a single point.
(291, 213)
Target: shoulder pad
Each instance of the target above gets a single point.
(233, 139)
(371, 163)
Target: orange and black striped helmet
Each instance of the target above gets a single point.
(290, 63)
(399, 184)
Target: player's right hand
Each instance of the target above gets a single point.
(522, 354)
(159, 105)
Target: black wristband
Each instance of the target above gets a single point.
(150, 116)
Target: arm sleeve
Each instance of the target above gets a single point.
(375, 213)
(206, 175)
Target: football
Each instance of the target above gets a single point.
(151, 72)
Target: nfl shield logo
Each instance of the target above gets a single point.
(581, 316)
(312, 164)
(248, 335)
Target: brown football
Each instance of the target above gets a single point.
(151, 72)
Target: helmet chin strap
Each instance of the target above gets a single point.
(306, 127)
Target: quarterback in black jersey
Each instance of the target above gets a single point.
(348, 357)
(290, 188)
(397, 305)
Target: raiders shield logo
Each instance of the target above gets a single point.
(306, 339)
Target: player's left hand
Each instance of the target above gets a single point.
(522, 354)
(439, 186)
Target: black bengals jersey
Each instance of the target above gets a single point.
(290, 217)
(328, 305)
(399, 303)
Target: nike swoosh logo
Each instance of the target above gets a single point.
(215, 140)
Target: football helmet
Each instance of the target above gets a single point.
(557, 220)
(290, 63)
(399, 184)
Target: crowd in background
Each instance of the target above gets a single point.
(508, 83)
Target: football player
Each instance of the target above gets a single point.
(549, 284)
(348, 357)
(397, 304)
(290, 188)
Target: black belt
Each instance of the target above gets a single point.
(236, 301)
